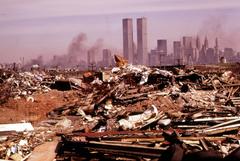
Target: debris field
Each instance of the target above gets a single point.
(128, 112)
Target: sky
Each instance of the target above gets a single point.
(29, 28)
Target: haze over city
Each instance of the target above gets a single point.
(33, 28)
(124, 80)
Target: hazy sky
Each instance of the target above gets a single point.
(46, 27)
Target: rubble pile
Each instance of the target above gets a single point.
(140, 113)
(17, 144)
(132, 108)
(23, 84)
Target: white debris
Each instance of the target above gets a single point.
(19, 127)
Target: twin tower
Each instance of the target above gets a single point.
(129, 52)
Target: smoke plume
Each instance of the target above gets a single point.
(39, 61)
(77, 52)
(218, 27)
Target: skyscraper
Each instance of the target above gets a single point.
(162, 46)
(206, 42)
(187, 42)
(107, 57)
(154, 58)
(142, 53)
(203, 53)
(162, 51)
(216, 48)
(177, 52)
(198, 43)
(197, 50)
(91, 62)
(188, 51)
(128, 39)
(91, 58)
(210, 57)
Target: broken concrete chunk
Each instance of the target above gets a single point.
(64, 123)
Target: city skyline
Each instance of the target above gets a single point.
(30, 29)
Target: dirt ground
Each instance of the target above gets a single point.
(40, 153)
(22, 110)
(19, 110)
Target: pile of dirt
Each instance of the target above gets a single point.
(21, 110)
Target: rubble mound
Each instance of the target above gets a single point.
(130, 112)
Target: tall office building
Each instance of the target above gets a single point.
(128, 39)
(91, 57)
(188, 51)
(206, 43)
(210, 57)
(162, 51)
(198, 43)
(187, 42)
(162, 46)
(154, 58)
(216, 44)
(107, 57)
(177, 52)
(203, 53)
(142, 53)
(216, 48)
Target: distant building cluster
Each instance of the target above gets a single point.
(107, 60)
(188, 51)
